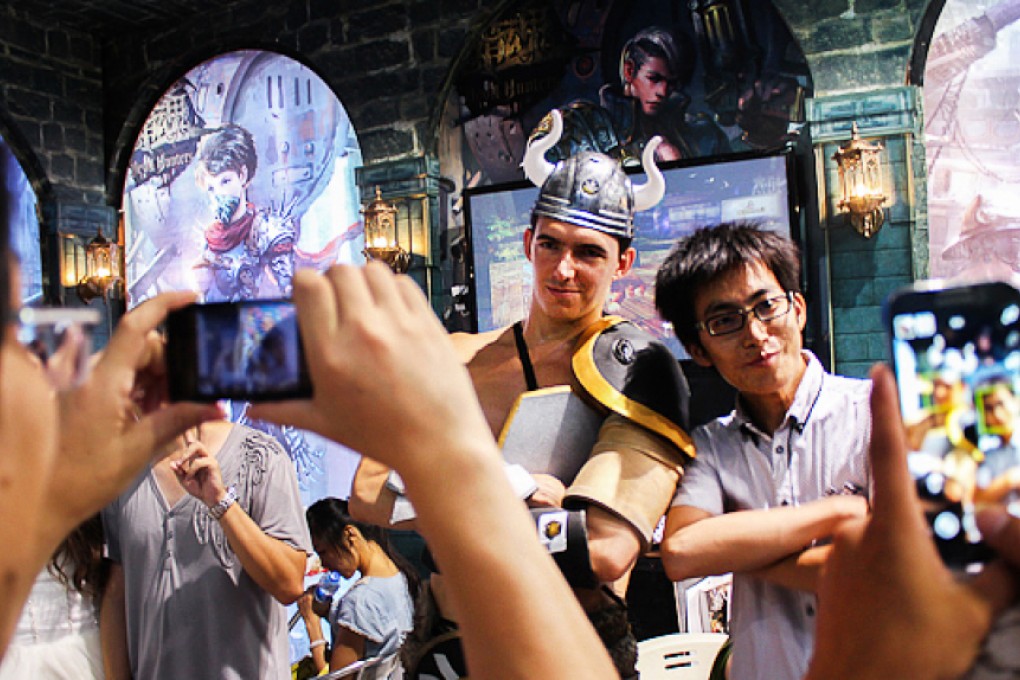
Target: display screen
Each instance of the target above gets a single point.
(247, 350)
(698, 194)
(956, 354)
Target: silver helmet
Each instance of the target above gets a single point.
(589, 189)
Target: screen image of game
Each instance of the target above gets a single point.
(248, 347)
(958, 373)
(753, 188)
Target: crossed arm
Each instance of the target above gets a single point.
(774, 543)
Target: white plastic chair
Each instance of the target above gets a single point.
(679, 656)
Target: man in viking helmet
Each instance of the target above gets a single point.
(591, 413)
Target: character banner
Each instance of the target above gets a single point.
(242, 173)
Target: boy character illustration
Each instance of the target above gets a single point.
(650, 100)
(249, 253)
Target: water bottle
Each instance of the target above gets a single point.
(329, 583)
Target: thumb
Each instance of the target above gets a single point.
(1001, 531)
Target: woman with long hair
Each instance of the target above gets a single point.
(375, 614)
(57, 635)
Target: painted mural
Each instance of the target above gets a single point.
(972, 137)
(710, 76)
(23, 218)
(242, 173)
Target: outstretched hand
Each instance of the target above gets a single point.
(888, 607)
(386, 379)
(114, 423)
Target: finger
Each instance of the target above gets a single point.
(316, 308)
(197, 466)
(128, 344)
(894, 496)
(414, 301)
(996, 585)
(62, 366)
(382, 285)
(1001, 532)
(353, 298)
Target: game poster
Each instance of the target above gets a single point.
(972, 134)
(243, 173)
(711, 77)
(23, 220)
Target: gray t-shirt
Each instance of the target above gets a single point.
(380, 609)
(192, 611)
(820, 449)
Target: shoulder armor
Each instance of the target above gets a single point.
(632, 374)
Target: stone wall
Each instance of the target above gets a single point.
(73, 102)
(51, 85)
(387, 62)
(52, 117)
(857, 48)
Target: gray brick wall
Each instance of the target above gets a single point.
(51, 85)
(73, 102)
(387, 62)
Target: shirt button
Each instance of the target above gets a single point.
(779, 449)
(810, 610)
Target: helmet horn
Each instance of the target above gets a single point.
(536, 167)
(652, 191)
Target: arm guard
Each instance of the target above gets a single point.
(637, 462)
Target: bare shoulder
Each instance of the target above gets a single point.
(468, 345)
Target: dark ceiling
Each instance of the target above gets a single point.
(110, 17)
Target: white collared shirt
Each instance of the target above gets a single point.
(820, 449)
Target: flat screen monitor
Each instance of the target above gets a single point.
(747, 187)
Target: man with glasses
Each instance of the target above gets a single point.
(773, 479)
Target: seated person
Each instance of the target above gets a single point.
(374, 616)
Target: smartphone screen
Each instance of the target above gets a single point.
(249, 350)
(956, 355)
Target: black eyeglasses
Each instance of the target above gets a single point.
(768, 309)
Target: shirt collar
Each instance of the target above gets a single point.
(804, 399)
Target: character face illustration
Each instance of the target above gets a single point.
(225, 192)
(651, 84)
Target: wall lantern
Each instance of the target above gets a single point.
(381, 235)
(93, 269)
(861, 185)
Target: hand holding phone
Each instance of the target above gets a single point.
(956, 355)
(249, 350)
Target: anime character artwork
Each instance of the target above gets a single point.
(243, 173)
(710, 76)
(972, 133)
(22, 215)
(249, 251)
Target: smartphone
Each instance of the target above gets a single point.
(956, 355)
(246, 351)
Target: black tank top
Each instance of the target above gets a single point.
(522, 354)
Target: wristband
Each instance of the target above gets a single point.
(217, 511)
(316, 643)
